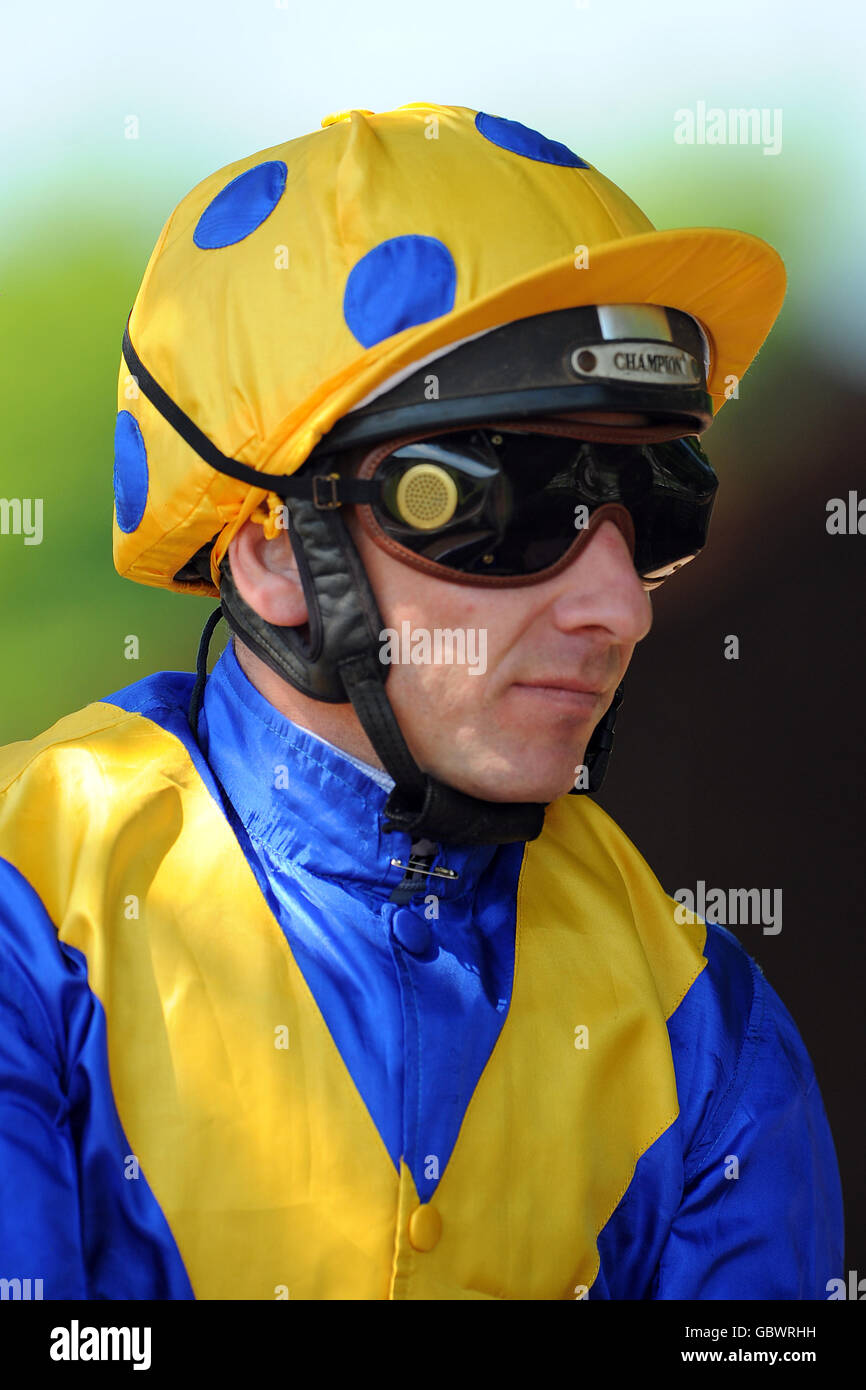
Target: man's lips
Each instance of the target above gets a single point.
(560, 683)
(561, 690)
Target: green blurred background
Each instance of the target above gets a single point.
(740, 773)
(85, 205)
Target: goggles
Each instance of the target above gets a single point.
(500, 506)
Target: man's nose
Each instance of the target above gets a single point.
(601, 588)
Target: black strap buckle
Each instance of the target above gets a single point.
(334, 501)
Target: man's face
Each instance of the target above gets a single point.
(507, 728)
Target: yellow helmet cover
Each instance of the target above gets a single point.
(290, 285)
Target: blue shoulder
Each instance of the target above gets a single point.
(710, 1032)
(733, 1042)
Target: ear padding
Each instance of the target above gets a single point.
(344, 618)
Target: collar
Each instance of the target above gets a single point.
(306, 801)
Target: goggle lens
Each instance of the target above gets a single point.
(507, 504)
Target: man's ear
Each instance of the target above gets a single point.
(266, 575)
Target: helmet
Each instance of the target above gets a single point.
(296, 308)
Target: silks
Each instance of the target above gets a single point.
(232, 1068)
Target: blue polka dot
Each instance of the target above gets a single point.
(522, 139)
(241, 206)
(402, 282)
(130, 472)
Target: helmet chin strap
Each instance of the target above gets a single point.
(337, 660)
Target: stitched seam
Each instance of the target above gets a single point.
(18, 974)
(63, 742)
(665, 1126)
(710, 1136)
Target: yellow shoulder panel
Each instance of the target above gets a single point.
(229, 1087)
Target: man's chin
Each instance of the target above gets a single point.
(518, 787)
